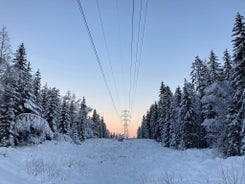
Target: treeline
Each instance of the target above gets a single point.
(30, 113)
(209, 111)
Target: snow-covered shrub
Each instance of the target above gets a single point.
(232, 176)
(63, 137)
(35, 167)
(30, 129)
(3, 152)
(45, 170)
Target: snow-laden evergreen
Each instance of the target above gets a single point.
(209, 111)
(215, 107)
(30, 113)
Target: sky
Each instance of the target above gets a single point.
(176, 32)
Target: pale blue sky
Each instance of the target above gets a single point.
(176, 31)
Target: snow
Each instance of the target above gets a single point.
(28, 122)
(108, 161)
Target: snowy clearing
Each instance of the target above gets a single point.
(107, 161)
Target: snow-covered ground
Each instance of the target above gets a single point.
(104, 161)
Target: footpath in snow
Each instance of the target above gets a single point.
(106, 161)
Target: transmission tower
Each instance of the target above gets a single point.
(125, 119)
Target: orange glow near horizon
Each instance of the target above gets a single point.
(114, 125)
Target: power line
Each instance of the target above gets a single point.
(96, 54)
(108, 53)
(141, 48)
(136, 55)
(131, 58)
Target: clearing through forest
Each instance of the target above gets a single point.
(108, 161)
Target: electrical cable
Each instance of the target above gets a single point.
(131, 56)
(141, 48)
(136, 55)
(96, 54)
(108, 53)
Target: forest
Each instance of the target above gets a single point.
(31, 113)
(209, 111)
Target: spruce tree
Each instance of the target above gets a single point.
(227, 66)
(83, 119)
(153, 120)
(95, 124)
(27, 100)
(190, 127)
(176, 124)
(65, 118)
(74, 118)
(103, 133)
(44, 101)
(37, 91)
(145, 128)
(53, 108)
(139, 133)
(5, 51)
(216, 102)
(8, 107)
(165, 114)
(199, 76)
(20, 67)
(236, 116)
(214, 68)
